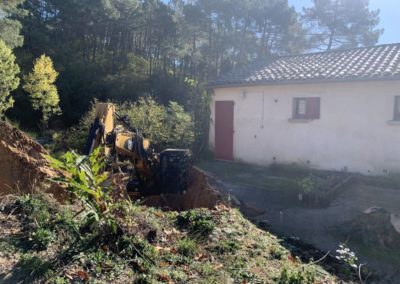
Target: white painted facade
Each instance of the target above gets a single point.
(355, 130)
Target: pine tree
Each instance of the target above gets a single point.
(9, 26)
(8, 77)
(342, 24)
(41, 88)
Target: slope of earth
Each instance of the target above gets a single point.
(22, 161)
(42, 241)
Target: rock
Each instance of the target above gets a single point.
(395, 221)
(373, 209)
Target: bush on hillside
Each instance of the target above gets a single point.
(167, 126)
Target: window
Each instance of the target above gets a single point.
(396, 115)
(307, 108)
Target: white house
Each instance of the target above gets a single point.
(336, 110)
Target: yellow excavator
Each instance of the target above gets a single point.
(128, 152)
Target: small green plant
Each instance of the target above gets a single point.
(228, 246)
(307, 184)
(187, 247)
(84, 178)
(34, 267)
(199, 222)
(344, 254)
(42, 238)
(277, 252)
(302, 275)
(138, 251)
(178, 276)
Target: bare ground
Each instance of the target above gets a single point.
(325, 228)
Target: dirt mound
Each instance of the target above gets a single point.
(22, 161)
(376, 227)
(200, 194)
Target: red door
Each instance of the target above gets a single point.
(224, 130)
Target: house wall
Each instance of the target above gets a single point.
(352, 133)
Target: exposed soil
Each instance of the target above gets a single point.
(200, 194)
(22, 161)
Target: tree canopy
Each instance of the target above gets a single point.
(9, 26)
(9, 80)
(41, 88)
(124, 49)
(342, 23)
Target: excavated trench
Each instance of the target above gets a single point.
(199, 194)
(24, 168)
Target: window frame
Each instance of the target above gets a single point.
(312, 108)
(396, 109)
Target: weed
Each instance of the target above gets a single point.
(303, 275)
(178, 276)
(199, 222)
(138, 251)
(187, 247)
(34, 267)
(307, 184)
(58, 280)
(277, 252)
(145, 279)
(34, 210)
(224, 247)
(42, 237)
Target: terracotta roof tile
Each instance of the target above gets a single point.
(368, 63)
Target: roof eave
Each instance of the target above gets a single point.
(299, 82)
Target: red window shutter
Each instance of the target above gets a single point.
(313, 108)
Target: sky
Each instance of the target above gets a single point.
(389, 17)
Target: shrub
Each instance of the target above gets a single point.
(199, 222)
(187, 247)
(166, 126)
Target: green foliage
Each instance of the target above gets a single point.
(307, 184)
(84, 178)
(8, 77)
(187, 247)
(167, 126)
(40, 84)
(42, 238)
(9, 26)
(138, 251)
(277, 252)
(227, 246)
(34, 267)
(199, 222)
(347, 256)
(35, 210)
(302, 275)
(342, 24)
